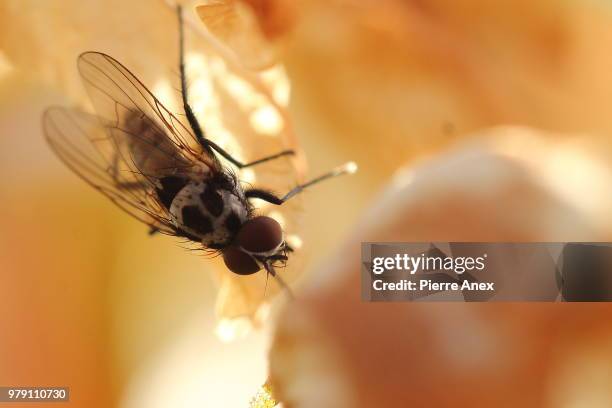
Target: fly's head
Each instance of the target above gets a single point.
(258, 242)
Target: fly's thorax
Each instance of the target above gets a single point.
(209, 211)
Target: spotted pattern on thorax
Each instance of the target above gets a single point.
(210, 210)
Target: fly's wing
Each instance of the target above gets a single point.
(121, 101)
(130, 145)
(91, 150)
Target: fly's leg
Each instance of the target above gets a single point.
(264, 195)
(271, 271)
(193, 121)
(123, 185)
(277, 258)
(347, 168)
(127, 185)
(209, 146)
(130, 186)
(241, 165)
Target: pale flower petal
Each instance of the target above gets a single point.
(495, 187)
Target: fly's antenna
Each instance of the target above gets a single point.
(270, 270)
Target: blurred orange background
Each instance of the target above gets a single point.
(499, 109)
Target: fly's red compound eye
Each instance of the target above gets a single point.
(239, 261)
(260, 235)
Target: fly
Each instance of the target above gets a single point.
(164, 173)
